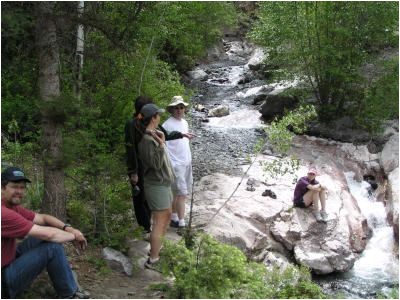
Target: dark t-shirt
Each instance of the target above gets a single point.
(301, 188)
(16, 222)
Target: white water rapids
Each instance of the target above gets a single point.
(376, 271)
(378, 261)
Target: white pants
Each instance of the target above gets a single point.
(183, 181)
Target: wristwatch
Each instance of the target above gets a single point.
(66, 225)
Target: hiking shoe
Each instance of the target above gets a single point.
(155, 265)
(317, 216)
(324, 216)
(174, 224)
(80, 295)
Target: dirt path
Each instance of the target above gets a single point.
(101, 281)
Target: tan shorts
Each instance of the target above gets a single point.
(158, 197)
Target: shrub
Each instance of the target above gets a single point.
(216, 270)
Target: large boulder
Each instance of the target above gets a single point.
(275, 105)
(256, 59)
(389, 157)
(117, 261)
(269, 226)
(219, 111)
(197, 74)
(343, 130)
(393, 201)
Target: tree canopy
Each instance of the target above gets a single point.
(326, 43)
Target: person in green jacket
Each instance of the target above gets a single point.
(133, 135)
(158, 178)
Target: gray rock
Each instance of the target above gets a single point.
(117, 261)
(219, 111)
(256, 59)
(393, 201)
(389, 157)
(197, 74)
(275, 105)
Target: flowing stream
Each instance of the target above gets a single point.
(222, 144)
(377, 269)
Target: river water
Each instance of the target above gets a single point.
(223, 144)
(377, 269)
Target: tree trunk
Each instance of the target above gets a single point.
(49, 92)
(80, 42)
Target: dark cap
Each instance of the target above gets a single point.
(13, 174)
(150, 110)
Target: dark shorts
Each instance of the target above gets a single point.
(299, 203)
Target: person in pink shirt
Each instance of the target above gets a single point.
(42, 249)
(309, 191)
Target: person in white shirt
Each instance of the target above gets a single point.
(181, 159)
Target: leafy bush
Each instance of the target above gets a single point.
(280, 138)
(381, 101)
(216, 270)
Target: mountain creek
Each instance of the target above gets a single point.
(355, 253)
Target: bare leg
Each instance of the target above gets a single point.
(160, 224)
(180, 206)
(309, 198)
(322, 197)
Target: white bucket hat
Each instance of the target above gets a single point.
(176, 100)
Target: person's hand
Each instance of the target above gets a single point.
(188, 135)
(134, 179)
(80, 242)
(158, 136)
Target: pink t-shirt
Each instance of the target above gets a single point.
(16, 222)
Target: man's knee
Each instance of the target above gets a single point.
(55, 249)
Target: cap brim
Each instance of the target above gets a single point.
(161, 110)
(18, 179)
(177, 103)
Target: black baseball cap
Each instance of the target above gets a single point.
(150, 110)
(13, 174)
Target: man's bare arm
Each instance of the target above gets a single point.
(51, 234)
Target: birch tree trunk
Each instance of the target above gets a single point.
(80, 42)
(49, 92)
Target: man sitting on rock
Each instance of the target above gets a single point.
(21, 264)
(309, 191)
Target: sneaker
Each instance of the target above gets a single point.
(80, 295)
(152, 265)
(324, 216)
(174, 224)
(317, 216)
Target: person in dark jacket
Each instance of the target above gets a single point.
(133, 134)
(309, 191)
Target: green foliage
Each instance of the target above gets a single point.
(381, 101)
(393, 294)
(326, 43)
(280, 138)
(99, 264)
(131, 49)
(216, 270)
(278, 131)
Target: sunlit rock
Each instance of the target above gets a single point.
(256, 59)
(117, 260)
(219, 111)
(389, 157)
(197, 75)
